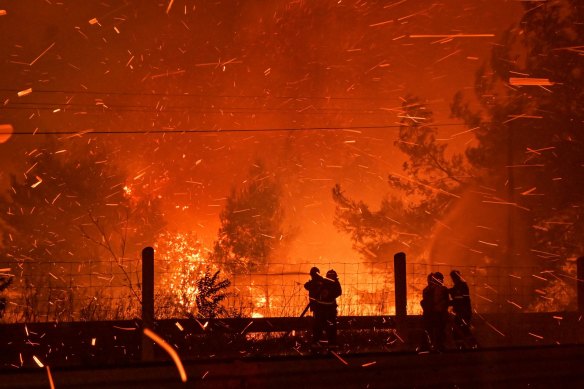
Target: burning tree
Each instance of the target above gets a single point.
(251, 224)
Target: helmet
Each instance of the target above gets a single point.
(438, 278)
(314, 271)
(331, 274)
(456, 276)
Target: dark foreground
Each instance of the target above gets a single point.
(544, 367)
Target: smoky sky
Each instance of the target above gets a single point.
(249, 74)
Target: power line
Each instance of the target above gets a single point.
(187, 94)
(95, 108)
(218, 131)
(43, 104)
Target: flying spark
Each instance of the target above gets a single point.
(173, 354)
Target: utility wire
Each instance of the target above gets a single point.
(98, 108)
(187, 94)
(219, 131)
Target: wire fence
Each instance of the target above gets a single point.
(107, 290)
(278, 290)
(71, 290)
(496, 288)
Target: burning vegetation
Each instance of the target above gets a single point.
(220, 138)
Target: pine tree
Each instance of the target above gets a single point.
(431, 180)
(72, 205)
(530, 143)
(251, 224)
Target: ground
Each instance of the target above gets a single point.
(533, 367)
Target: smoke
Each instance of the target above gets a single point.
(336, 68)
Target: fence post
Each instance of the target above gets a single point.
(580, 283)
(147, 300)
(401, 295)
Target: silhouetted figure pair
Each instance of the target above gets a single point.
(322, 293)
(460, 302)
(435, 311)
(435, 303)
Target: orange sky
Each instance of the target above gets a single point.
(238, 66)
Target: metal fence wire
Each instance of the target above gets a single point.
(71, 290)
(492, 288)
(278, 290)
(108, 290)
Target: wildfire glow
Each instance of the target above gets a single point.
(184, 263)
(127, 190)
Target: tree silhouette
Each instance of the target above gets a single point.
(4, 283)
(73, 205)
(430, 179)
(530, 143)
(251, 224)
(211, 292)
(374, 233)
(428, 169)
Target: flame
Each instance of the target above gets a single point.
(183, 263)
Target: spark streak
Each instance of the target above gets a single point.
(339, 358)
(41, 54)
(173, 354)
(169, 6)
(506, 203)
(496, 330)
(425, 186)
(39, 180)
(514, 304)
(525, 81)
(24, 92)
(452, 36)
(246, 327)
(448, 56)
(51, 382)
(381, 23)
(38, 361)
(125, 328)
